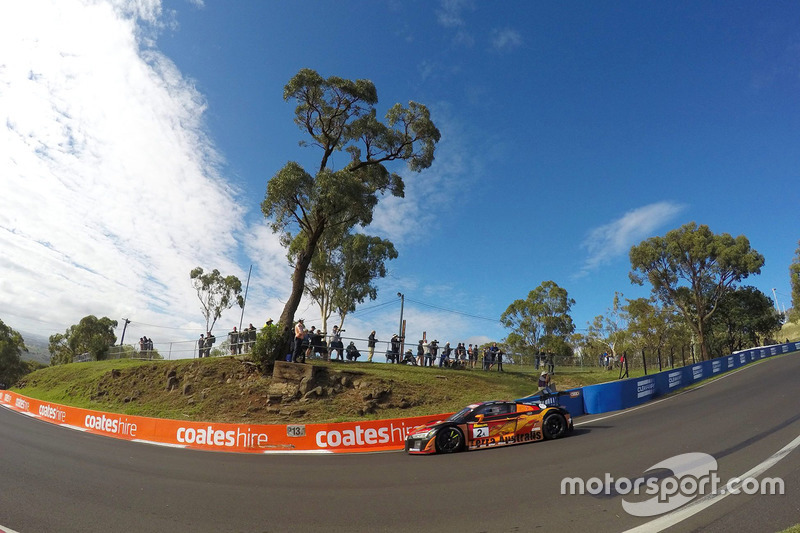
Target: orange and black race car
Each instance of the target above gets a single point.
(490, 424)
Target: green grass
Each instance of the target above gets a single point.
(791, 331)
(224, 389)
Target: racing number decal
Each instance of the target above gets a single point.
(480, 432)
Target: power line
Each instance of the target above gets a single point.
(371, 308)
(453, 311)
(163, 327)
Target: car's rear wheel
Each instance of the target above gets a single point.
(449, 439)
(554, 425)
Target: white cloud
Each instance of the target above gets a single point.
(506, 39)
(612, 240)
(450, 12)
(113, 191)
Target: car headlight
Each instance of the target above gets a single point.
(423, 435)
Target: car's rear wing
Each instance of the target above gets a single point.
(551, 399)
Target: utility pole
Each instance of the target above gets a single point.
(400, 329)
(775, 300)
(244, 303)
(122, 340)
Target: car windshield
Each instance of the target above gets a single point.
(461, 416)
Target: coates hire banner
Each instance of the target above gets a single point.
(363, 436)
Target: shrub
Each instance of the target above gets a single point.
(270, 346)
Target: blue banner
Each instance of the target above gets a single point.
(617, 395)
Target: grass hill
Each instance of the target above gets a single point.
(791, 331)
(231, 389)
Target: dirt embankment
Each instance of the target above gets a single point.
(234, 390)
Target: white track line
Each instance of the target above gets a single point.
(675, 517)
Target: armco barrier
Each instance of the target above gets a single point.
(363, 436)
(617, 395)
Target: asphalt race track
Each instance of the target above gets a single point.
(58, 480)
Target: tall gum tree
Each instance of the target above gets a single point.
(794, 279)
(339, 115)
(541, 322)
(693, 268)
(342, 272)
(216, 293)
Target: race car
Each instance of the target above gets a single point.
(490, 424)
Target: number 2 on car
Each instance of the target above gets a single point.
(479, 432)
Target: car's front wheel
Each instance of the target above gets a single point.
(449, 439)
(554, 426)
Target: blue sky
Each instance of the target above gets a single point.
(139, 137)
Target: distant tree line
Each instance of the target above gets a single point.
(697, 300)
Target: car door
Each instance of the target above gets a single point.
(494, 424)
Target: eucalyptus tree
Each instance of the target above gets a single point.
(692, 268)
(342, 272)
(745, 318)
(794, 280)
(91, 335)
(339, 115)
(651, 326)
(610, 330)
(216, 293)
(12, 345)
(541, 322)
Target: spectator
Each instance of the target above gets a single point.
(472, 353)
(492, 355)
(233, 340)
(409, 359)
(544, 383)
(250, 335)
(461, 353)
(201, 343)
(551, 364)
(420, 353)
(337, 344)
(445, 359)
(497, 356)
(391, 357)
(371, 341)
(318, 345)
(395, 348)
(307, 344)
(428, 357)
(434, 351)
(352, 352)
(299, 335)
(486, 360)
(210, 339)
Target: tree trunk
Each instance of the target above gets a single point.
(701, 338)
(299, 279)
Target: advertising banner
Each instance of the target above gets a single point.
(617, 395)
(362, 436)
